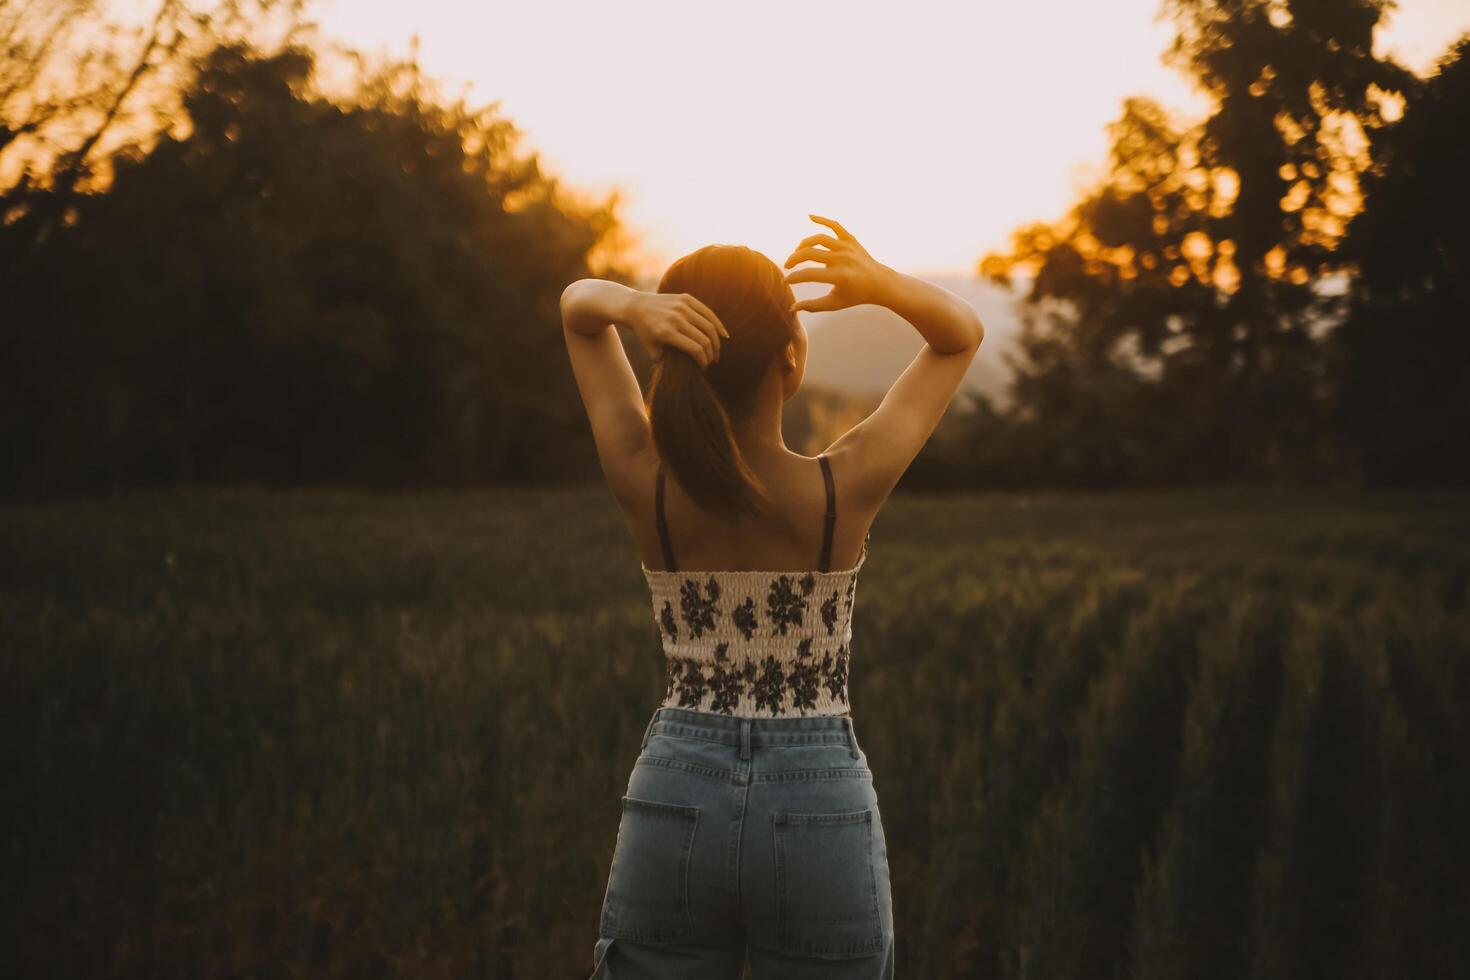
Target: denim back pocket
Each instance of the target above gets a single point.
(826, 889)
(648, 886)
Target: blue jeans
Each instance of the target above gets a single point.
(747, 837)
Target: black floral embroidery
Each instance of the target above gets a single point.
(727, 685)
(766, 682)
(783, 605)
(768, 686)
(731, 680)
(698, 612)
(744, 617)
(803, 683)
(691, 686)
(829, 613)
(835, 670)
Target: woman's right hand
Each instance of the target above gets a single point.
(856, 276)
(679, 320)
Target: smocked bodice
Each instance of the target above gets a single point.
(756, 643)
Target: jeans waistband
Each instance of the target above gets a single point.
(747, 732)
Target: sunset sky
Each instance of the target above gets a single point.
(929, 129)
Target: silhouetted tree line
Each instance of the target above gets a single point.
(213, 271)
(286, 287)
(1274, 293)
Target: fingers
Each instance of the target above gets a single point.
(703, 319)
(818, 304)
(702, 338)
(707, 334)
(842, 232)
(810, 274)
(812, 240)
(686, 342)
(810, 255)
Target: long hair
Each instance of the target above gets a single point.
(690, 408)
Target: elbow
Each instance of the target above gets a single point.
(975, 331)
(972, 329)
(978, 329)
(568, 297)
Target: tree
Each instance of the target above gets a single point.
(77, 85)
(1178, 306)
(302, 289)
(1405, 398)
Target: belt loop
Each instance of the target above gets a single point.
(851, 736)
(744, 739)
(648, 730)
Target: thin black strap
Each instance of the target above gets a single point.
(831, 513)
(663, 525)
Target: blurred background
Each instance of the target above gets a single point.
(1165, 636)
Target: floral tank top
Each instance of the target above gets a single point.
(757, 644)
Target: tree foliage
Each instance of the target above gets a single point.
(297, 288)
(1406, 377)
(1176, 313)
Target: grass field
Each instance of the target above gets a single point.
(254, 734)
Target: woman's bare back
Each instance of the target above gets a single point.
(788, 539)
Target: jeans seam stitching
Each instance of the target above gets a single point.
(722, 775)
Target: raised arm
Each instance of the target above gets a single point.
(609, 388)
(874, 454)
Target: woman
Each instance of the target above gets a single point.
(750, 827)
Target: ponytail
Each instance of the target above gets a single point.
(692, 433)
(689, 407)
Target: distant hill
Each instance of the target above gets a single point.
(861, 351)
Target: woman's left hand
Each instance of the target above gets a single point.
(855, 276)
